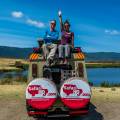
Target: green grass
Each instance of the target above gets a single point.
(107, 84)
(13, 81)
(103, 65)
(8, 64)
(12, 91)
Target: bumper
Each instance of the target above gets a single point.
(58, 113)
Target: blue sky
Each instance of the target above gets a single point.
(95, 23)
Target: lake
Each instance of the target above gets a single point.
(13, 75)
(95, 75)
(98, 75)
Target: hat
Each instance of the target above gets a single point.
(53, 21)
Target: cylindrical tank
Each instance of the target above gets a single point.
(75, 93)
(41, 93)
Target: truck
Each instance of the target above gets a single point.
(59, 90)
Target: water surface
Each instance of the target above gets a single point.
(95, 75)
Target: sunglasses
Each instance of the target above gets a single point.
(67, 25)
(52, 23)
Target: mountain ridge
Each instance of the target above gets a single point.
(23, 53)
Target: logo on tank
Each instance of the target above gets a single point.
(38, 89)
(70, 89)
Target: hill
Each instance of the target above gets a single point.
(14, 52)
(103, 56)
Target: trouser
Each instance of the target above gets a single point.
(49, 54)
(65, 48)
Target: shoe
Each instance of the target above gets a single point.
(65, 61)
(61, 62)
(49, 62)
(46, 64)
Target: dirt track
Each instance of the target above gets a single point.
(105, 104)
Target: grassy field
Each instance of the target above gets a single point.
(106, 94)
(7, 64)
(103, 64)
(106, 102)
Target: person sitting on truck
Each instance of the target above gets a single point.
(49, 47)
(67, 39)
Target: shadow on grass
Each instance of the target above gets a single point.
(93, 114)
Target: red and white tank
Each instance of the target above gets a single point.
(75, 93)
(41, 93)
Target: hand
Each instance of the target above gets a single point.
(48, 36)
(72, 46)
(59, 13)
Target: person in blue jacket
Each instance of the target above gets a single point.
(49, 47)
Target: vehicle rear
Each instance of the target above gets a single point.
(60, 90)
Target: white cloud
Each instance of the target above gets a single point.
(115, 32)
(17, 14)
(35, 23)
(112, 32)
(107, 31)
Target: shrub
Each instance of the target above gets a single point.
(107, 84)
(6, 81)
